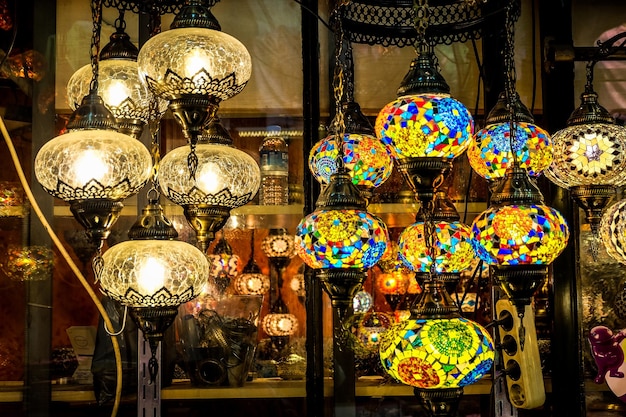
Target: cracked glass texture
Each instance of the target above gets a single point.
(153, 273)
(124, 94)
(590, 154)
(613, 231)
(89, 164)
(226, 176)
(194, 61)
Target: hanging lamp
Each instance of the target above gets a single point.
(226, 178)
(251, 281)
(123, 93)
(589, 155)
(194, 66)
(92, 166)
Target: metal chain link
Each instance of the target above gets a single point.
(421, 14)
(338, 80)
(154, 125)
(96, 16)
(430, 230)
(511, 78)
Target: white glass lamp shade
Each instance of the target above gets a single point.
(613, 231)
(589, 154)
(93, 164)
(153, 273)
(251, 283)
(280, 324)
(225, 176)
(196, 61)
(119, 86)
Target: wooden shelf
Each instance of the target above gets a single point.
(11, 392)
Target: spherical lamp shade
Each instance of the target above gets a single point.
(613, 231)
(193, 60)
(367, 330)
(118, 85)
(437, 353)
(425, 125)
(589, 154)
(225, 177)
(490, 151)
(153, 273)
(362, 302)
(251, 283)
(365, 157)
(452, 244)
(279, 245)
(532, 234)
(279, 324)
(93, 164)
(341, 239)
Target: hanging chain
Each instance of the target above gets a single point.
(430, 230)
(154, 125)
(96, 17)
(510, 79)
(338, 80)
(120, 23)
(421, 15)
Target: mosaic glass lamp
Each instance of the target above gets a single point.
(225, 265)
(226, 178)
(519, 236)
(251, 281)
(341, 240)
(425, 127)
(613, 231)
(194, 66)
(366, 157)
(589, 157)
(436, 351)
(490, 152)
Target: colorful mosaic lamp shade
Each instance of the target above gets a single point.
(365, 157)
(425, 128)
(589, 157)
(437, 353)
(225, 266)
(491, 152)
(341, 240)
(519, 236)
(367, 330)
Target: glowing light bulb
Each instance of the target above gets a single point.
(90, 166)
(151, 276)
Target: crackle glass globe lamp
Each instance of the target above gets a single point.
(194, 66)
(613, 231)
(437, 353)
(119, 84)
(492, 149)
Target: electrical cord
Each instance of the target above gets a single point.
(70, 262)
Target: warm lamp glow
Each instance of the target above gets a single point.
(365, 157)
(425, 125)
(90, 164)
(341, 239)
(226, 176)
(153, 273)
(280, 324)
(519, 235)
(194, 60)
(613, 231)
(452, 244)
(437, 353)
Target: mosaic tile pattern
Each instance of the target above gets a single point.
(436, 353)
(426, 125)
(490, 151)
(519, 235)
(366, 158)
(341, 239)
(589, 154)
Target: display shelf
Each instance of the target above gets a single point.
(258, 388)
